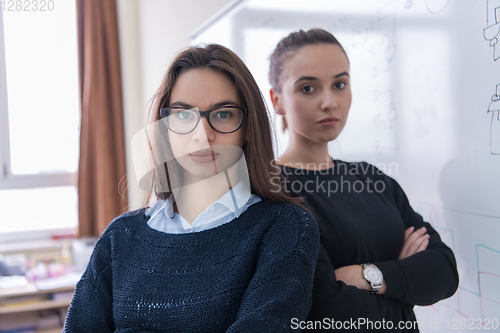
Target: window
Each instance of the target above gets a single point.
(39, 119)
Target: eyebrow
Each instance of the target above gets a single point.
(312, 78)
(213, 106)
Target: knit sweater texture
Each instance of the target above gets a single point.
(253, 274)
(363, 214)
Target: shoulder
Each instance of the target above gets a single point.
(115, 234)
(294, 215)
(378, 176)
(282, 212)
(369, 171)
(129, 220)
(287, 222)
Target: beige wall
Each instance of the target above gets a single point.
(151, 33)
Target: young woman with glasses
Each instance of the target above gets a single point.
(221, 250)
(377, 258)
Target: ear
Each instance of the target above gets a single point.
(275, 99)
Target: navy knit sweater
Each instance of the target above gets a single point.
(253, 274)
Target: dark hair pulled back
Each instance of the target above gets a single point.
(291, 44)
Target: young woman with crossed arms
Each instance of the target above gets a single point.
(378, 258)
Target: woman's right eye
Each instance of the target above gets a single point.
(307, 89)
(183, 114)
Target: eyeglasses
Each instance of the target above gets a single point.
(227, 119)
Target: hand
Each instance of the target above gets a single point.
(415, 241)
(353, 275)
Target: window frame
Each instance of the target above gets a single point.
(10, 181)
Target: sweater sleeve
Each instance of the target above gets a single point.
(281, 288)
(425, 277)
(91, 308)
(343, 303)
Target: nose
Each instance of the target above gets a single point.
(203, 132)
(328, 101)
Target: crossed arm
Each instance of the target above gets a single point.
(415, 241)
(423, 273)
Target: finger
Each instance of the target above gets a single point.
(410, 236)
(412, 244)
(416, 234)
(408, 232)
(421, 230)
(415, 245)
(424, 244)
(405, 251)
(404, 248)
(413, 237)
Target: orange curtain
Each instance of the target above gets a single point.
(102, 150)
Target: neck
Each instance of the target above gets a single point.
(306, 154)
(193, 199)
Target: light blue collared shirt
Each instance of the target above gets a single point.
(230, 206)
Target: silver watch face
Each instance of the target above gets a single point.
(373, 275)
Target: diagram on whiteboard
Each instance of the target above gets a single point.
(384, 121)
(492, 29)
(436, 6)
(489, 278)
(383, 46)
(478, 259)
(494, 109)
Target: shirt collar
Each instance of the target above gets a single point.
(234, 200)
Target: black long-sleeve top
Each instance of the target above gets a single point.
(363, 214)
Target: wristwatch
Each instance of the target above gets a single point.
(374, 276)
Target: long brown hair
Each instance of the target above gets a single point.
(257, 147)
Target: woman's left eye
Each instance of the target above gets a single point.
(223, 114)
(307, 89)
(340, 85)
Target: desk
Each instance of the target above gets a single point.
(41, 301)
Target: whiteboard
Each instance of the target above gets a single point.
(425, 77)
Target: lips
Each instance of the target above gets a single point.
(329, 121)
(204, 156)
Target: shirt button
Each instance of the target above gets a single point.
(212, 209)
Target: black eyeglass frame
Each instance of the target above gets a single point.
(163, 115)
